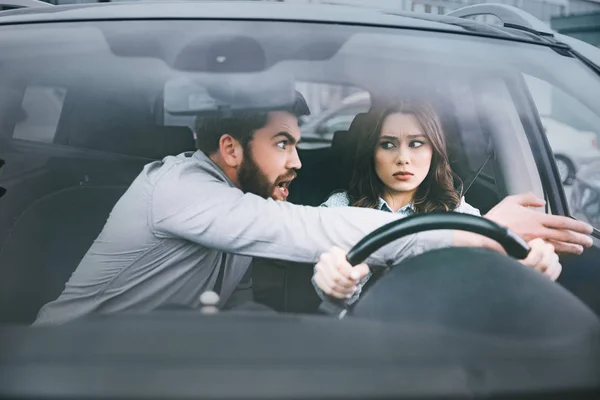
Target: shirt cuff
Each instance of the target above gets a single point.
(349, 301)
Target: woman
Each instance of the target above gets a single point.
(402, 166)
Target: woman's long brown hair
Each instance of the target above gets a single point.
(436, 192)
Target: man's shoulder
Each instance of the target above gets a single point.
(337, 199)
(176, 168)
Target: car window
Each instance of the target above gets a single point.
(336, 123)
(573, 132)
(339, 121)
(39, 113)
(333, 108)
(324, 97)
(92, 104)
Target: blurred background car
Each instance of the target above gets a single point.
(318, 130)
(572, 148)
(585, 194)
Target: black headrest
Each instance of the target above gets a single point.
(104, 120)
(344, 145)
(158, 142)
(119, 123)
(169, 140)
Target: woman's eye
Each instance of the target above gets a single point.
(283, 144)
(387, 145)
(416, 143)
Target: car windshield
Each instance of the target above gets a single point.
(86, 106)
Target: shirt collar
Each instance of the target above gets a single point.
(210, 166)
(384, 206)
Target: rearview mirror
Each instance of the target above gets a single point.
(226, 93)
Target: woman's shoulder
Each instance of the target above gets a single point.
(337, 199)
(466, 208)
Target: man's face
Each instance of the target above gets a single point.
(271, 159)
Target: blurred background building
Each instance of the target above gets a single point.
(582, 21)
(577, 18)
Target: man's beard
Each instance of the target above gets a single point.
(252, 179)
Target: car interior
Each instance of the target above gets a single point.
(101, 144)
(59, 193)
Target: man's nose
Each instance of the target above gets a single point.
(294, 160)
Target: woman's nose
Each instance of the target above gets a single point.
(402, 158)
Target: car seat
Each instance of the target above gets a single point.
(330, 169)
(48, 239)
(45, 245)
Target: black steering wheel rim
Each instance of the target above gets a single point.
(513, 244)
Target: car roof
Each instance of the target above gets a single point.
(257, 10)
(247, 10)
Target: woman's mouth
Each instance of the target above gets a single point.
(403, 175)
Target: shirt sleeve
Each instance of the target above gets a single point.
(207, 211)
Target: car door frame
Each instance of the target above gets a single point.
(581, 274)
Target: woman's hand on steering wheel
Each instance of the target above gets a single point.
(336, 277)
(543, 258)
(512, 244)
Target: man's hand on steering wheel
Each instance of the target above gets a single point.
(545, 234)
(568, 236)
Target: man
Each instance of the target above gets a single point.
(192, 223)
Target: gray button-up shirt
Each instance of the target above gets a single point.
(165, 239)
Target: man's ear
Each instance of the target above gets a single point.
(231, 151)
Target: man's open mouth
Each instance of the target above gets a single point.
(284, 188)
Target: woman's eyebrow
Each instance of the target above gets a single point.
(409, 137)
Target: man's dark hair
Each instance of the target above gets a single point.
(241, 125)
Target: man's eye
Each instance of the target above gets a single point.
(283, 144)
(387, 145)
(417, 143)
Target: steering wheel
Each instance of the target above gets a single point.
(513, 244)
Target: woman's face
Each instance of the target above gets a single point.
(403, 154)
